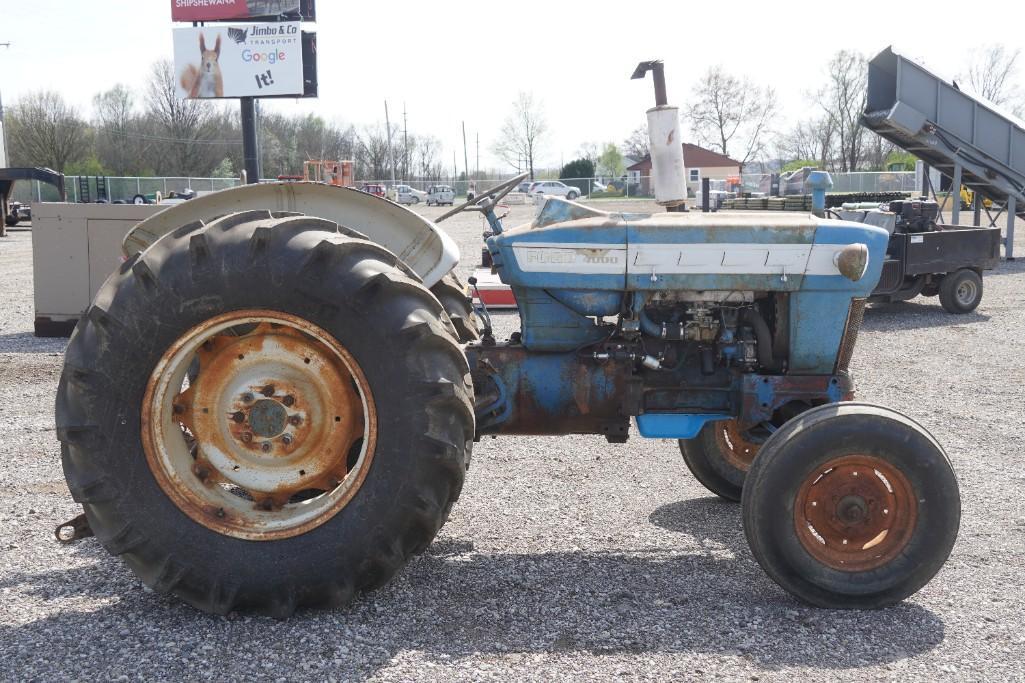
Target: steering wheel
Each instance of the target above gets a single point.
(483, 201)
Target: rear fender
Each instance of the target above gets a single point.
(427, 250)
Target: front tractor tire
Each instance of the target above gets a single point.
(851, 506)
(265, 412)
(453, 297)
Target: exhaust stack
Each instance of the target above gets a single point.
(667, 168)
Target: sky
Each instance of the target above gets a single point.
(452, 62)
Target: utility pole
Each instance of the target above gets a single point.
(391, 148)
(405, 146)
(3, 134)
(455, 169)
(466, 164)
(477, 171)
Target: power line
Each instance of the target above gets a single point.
(158, 138)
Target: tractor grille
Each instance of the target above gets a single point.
(850, 334)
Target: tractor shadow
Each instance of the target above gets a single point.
(453, 602)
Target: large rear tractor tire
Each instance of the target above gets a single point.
(851, 506)
(720, 456)
(265, 412)
(452, 295)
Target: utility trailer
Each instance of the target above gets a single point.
(8, 176)
(925, 258)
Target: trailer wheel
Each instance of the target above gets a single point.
(851, 505)
(264, 413)
(452, 295)
(139, 199)
(720, 456)
(961, 291)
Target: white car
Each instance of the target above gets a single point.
(440, 195)
(556, 188)
(404, 194)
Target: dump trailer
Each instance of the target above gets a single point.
(971, 140)
(274, 400)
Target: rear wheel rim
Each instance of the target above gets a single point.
(966, 292)
(735, 445)
(855, 513)
(258, 425)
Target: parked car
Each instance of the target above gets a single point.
(375, 189)
(598, 186)
(404, 194)
(554, 187)
(524, 186)
(440, 195)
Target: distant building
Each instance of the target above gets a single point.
(700, 163)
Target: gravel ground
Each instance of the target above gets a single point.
(565, 557)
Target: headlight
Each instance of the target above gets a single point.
(852, 261)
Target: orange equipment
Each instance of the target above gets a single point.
(330, 172)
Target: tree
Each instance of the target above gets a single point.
(842, 100)
(611, 161)
(797, 165)
(731, 115)
(225, 169)
(523, 134)
(44, 130)
(992, 74)
(578, 168)
(636, 146)
(591, 151)
(425, 150)
(372, 153)
(183, 129)
(119, 145)
(811, 139)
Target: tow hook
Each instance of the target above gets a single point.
(73, 530)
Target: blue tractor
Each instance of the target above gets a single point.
(263, 409)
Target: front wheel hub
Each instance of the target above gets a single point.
(855, 513)
(259, 425)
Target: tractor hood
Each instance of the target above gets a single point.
(574, 247)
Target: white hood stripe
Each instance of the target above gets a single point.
(677, 259)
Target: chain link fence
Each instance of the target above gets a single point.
(630, 187)
(118, 189)
(859, 181)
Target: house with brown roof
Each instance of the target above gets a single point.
(700, 163)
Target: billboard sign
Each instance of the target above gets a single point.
(235, 10)
(249, 60)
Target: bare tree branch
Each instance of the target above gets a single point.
(842, 100)
(992, 74)
(44, 130)
(731, 115)
(523, 134)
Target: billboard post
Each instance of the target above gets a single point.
(251, 140)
